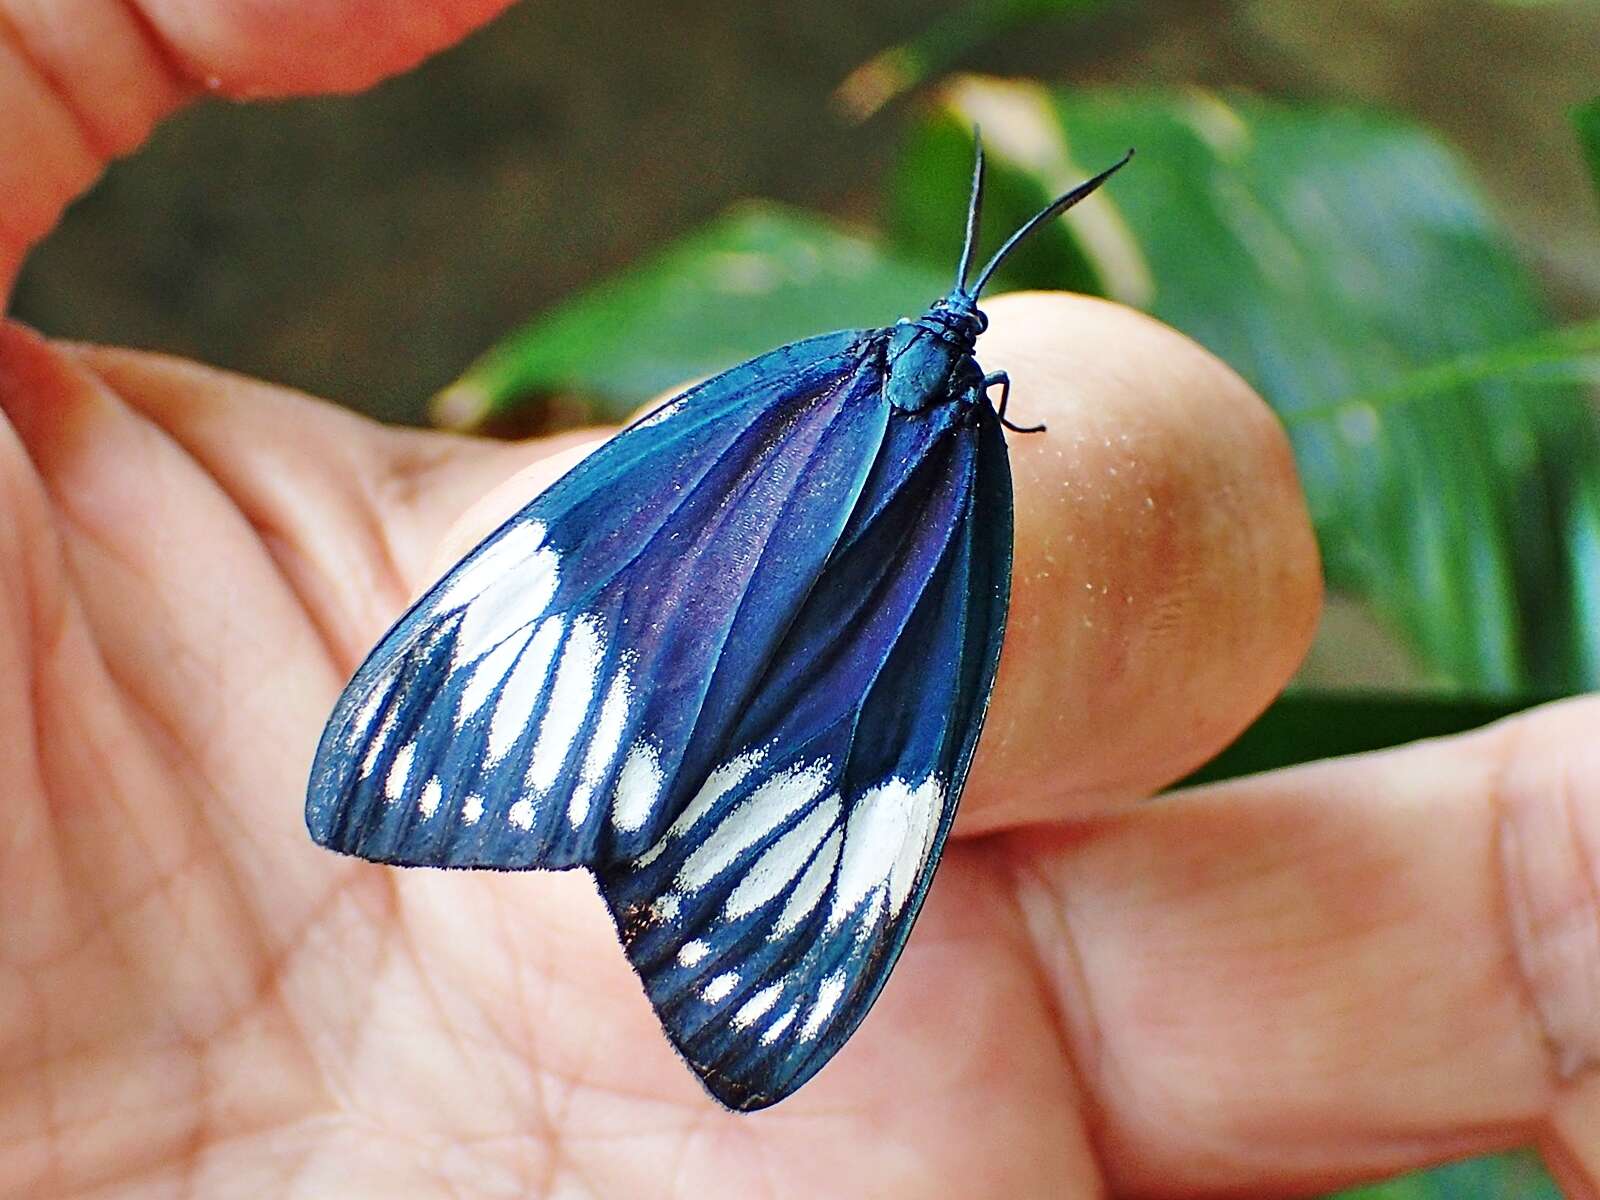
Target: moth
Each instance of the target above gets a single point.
(734, 663)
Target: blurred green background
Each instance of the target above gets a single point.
(1383, 213)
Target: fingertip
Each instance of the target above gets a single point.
(1167, 581)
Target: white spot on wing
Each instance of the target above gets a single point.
(604, 744)
(772, 803)
(520, 814)
(717, 785)
(432, 793)
(774, 1031)
(570, 697)
(394, 784)
(867, 923)
(638, 786)
(517, 598)
(886, 842)
(692, 952)
(521, 691)
(362, 721)
(828, 997)
(720, 988)
(486, 676)
(809, 891)
(375, 750)
(513, 546)
(472, 809)
(753, 1009)
(783, 860)
(924, 816)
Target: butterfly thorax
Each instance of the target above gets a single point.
(929, 359)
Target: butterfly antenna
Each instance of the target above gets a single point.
(969, 247)
(1055, 208)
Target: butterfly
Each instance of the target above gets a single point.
(734, 663)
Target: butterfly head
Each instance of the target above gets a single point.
(930, 359)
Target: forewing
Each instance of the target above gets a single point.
(534, 707)
(767, 918)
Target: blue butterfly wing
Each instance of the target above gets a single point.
(545, 704)
(767, 918)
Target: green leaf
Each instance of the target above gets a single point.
(1517, 1176)
(1327, 254)
(1587, 119)
(755, 278)
(1305, 727)
(937, 46)
(1568, 355)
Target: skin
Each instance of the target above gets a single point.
(1269, 987)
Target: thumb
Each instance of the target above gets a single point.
(83, 81)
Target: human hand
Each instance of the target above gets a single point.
(1273, 985)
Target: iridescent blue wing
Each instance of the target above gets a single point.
(544, 703)
(766, 919)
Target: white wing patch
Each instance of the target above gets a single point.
(828, 997)
(604, 744)
(487, 675)
(638, 786)
(518, 596)
(379, 741)
(796, 849)
(720, 988)
(783, 860)
(753, 1009)
(512, 548)
(775, 1031)
(432, 793)
(769, 806)
(361, 724)
(394, 784)
(520, 694)
(812, 887)
(890, 832)
(570, 697)
(717, 785)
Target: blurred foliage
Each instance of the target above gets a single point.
(753, 279)
(1496, 1177)
(1587, 119)
(1328, 254)
(939, 45)
(1343, 261)
(1304, 727)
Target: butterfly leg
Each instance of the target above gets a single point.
(1004, 380)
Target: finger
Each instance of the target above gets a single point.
(1166, 578)
(352, 511)
(86, 80)
(1337, 971)
(176, 606)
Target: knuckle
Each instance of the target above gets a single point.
(1548, 832)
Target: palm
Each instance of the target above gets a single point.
(197, 997)
(237, 989)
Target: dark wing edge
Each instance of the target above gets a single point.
(533, 707)
(765, 922)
